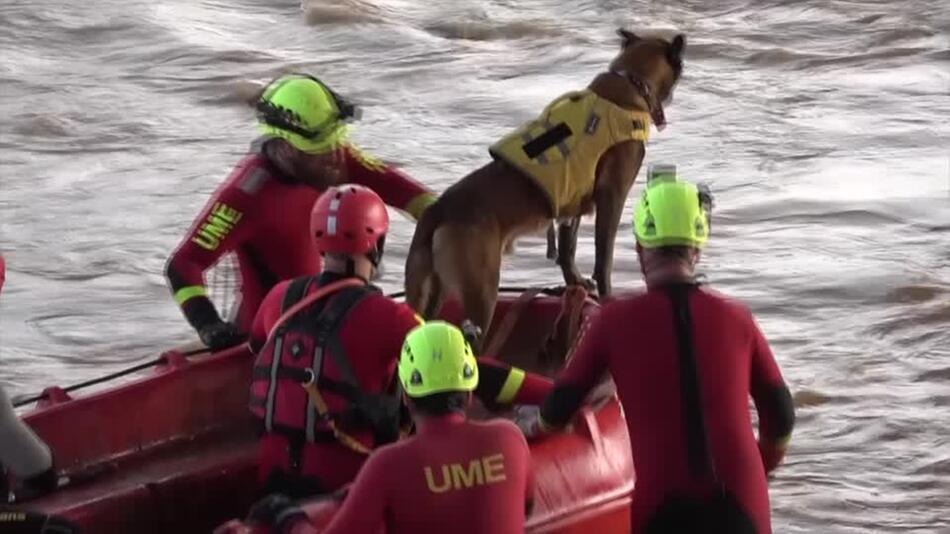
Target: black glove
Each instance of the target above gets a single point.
(473, 334)
(220, 335)
(276, 510)
(37, 486)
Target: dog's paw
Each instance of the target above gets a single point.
(588, 284)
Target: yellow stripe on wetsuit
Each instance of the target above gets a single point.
(185, 294)
(418, 204)
(511, 386)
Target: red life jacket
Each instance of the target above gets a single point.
(297, 352)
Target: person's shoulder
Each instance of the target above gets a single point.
(392, 319)
(624, 304)
(726, 302)
(392, 306)
(275, 297)
(389, 455)
(251, 176)
(358, 156)
(280, 289)
(501, 429)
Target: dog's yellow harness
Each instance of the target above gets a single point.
(560, 149)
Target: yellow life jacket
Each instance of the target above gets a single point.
(560, 149)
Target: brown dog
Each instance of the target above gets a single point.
(581, 155)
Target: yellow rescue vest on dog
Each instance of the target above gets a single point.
(560, 149)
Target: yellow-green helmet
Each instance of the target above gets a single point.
(436, 358)
(305, 112)
(671, 212)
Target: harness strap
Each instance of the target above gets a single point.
(330, 313)
(503, 332)
(326, 330)
(343, 389)
(295, 300)
(296, 289)
(311, 298)
(316, 399)
(292, 373)
(566, 327)
(329, 325)
(295, 434)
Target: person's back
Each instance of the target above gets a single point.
(453, 475)
(455, 466)
(467, 477)
(712, 446)
(323, 463)
(685, 361)
(327, 348)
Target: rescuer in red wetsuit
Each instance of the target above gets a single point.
(684, 360)
(454, 475)
(260, 212)
(347, 343)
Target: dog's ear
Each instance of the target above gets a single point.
(677, 46)
(627, 37)
(674, 54)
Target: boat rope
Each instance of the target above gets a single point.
(19, 402)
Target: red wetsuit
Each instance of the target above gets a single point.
(453, 476)
(372, 335)
(687, 410)
(263, 216)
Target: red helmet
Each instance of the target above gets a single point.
(349, 219)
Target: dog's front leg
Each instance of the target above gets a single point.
(617, 173)
(566, 251)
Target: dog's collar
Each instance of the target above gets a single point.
(656, 107)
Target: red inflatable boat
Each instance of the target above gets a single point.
(174, 451)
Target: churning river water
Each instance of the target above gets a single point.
(822, 127)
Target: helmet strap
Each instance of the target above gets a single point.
(350, 267)
(376, 255)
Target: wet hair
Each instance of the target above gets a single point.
(441, 403)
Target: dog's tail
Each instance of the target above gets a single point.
(423, 287)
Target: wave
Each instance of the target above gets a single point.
(43, 126)
(934, 375)
(790, 212)
(318, 12)
(490, 31)
(914, 294)
(240, 92)
(804, 398)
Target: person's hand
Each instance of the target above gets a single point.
(278, 511)
(220, 336)
(528, 419)
(772, 455)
